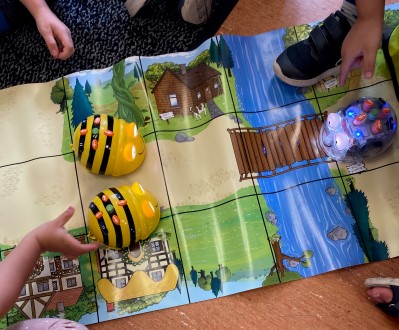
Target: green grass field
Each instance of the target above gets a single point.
(230, 232)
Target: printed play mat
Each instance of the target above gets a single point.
(242, 169)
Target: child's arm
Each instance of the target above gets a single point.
(54, 32)
(16, 268)
(363, 40)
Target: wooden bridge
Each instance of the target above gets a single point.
(266, 151)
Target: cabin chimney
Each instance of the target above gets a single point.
(183, 68)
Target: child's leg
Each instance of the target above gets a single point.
(192, 11)
(318, 57)
(385, 292)
(195, 11)
(4, 24)
(45, 324)
(349, 9)
(12, 15)
(133, 6)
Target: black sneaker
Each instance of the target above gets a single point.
(309, 61)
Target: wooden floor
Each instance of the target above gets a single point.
(336, 300)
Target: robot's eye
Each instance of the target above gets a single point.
(130, 152)
(134, 152)
(148, 209)
(135, 131)
(342, 141)
(333, 120)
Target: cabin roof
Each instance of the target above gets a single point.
(68, 297)
(192, 77)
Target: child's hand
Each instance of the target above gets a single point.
(55, 33)
(53, 237)
(16, 268)
(360, 47)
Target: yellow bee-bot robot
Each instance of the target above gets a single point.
(120, 217)
(108, 145)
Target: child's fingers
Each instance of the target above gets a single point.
(63, 218)
(345, 67)
(51, 44)
(368, 65)
(76, 248)
(66, 48)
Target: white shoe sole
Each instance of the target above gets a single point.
(304, 83)
(385, 282)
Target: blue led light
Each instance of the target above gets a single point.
(350, 113)
(358, 134)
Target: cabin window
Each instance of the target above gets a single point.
(156, 276)
(23, 292)
(42, 286)
(52, 267)
(120, 282)
(68, 264)
(71, 282)
(173, 100)
(55, 285)
(113, 254)
(156, 246)
(198, 95)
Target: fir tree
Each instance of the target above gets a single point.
(226, 56)
(214, 53)
(88, 90)
(81, 106)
